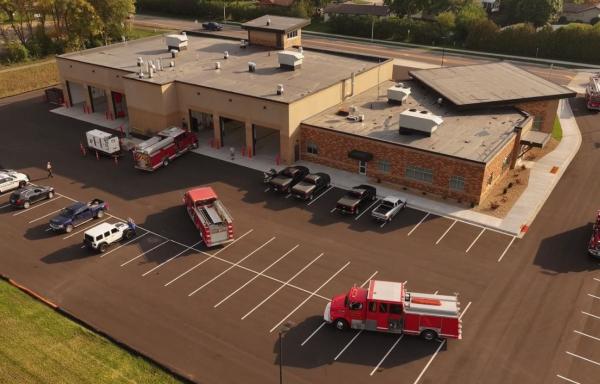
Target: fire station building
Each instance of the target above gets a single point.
(448, 131)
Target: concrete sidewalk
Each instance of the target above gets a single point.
(541, 181)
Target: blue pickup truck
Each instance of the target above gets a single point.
(77, 214)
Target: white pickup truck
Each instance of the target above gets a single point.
(388, 208)
(102, 235)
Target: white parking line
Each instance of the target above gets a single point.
(5, 193)
(474, 241)
(333, 210)
(597, 279)
(567, 379)
(143, 253)
(417, 225)
(36, 206)
(281, 287)
(231, 243)
(267, 190)
(586, 335)
(594, 296)
(225, 271)
(86, 228)
(430, 361)
(40, 218)
(506, 249)
(318, 197)
(347, 345)
(323, 323)
(386, 355)
(256, 276)
(583, 358)
(589, 314)
(309, 297)
(444, 234)
(170, 259)
(465, 311)
(288, 195)
(124, 244)
(366, 210)
(4, 206)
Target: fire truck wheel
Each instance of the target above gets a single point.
(99, 214)
(69, 228)
(341, 324)
(102, 247)
(165, 163)
(428, 334)
(26, 205)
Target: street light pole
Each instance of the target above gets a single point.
(372, 27)
(224, 16)
(443, 54)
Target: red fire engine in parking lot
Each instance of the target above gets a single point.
(164, 147)
(592, 93)
(387, 307)
(209, 215)
(594, 244)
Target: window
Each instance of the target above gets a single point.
(420, 174)
(355, 306)
(114, 230)
(506, 163)
(292, 34)
(107, 233)
(457, 183)
(383, 166)
(99, 237)
(395, 309)
(362, 167)
(382, 308)
(537, 123)
(372, 306)
(312, 147)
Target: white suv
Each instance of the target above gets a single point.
(10, 180)
(104, 234)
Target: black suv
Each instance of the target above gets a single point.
(311, 185)
(287, 178)
(355, 198)
(212, 26)
(29, 194)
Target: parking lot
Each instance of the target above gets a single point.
(214, 315)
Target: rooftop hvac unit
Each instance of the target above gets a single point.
(177, 42)
(397, 93)
(226, 55)
(421, 122)
(251, 66)
(217, 65)
(280, 89)
(290, 59)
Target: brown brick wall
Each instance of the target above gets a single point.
(495, 167)
(334, 147)
(545, 109)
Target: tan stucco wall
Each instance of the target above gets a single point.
(287, 43)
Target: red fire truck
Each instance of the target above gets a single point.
(209, 215)
(387, 307)
(164, 147)
(592, 92)
(594, 244)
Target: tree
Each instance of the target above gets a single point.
(112, 14)
(538, 12)
(447, 22)
(468, 15)
(406, 7)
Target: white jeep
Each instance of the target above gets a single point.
(104, 234)
(10, 180)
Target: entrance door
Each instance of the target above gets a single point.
(362, 167)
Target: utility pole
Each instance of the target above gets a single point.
(372, 27)
(224, 16)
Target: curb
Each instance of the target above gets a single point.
(64, 312)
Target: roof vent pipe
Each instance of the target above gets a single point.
(226, 55)
(300, 49)
(151, 72)
(140, 61)
(269, 21)
(280, 89)
(172, 64)
(174, 53)
(217, 65)
(183, 33)
(251, 66)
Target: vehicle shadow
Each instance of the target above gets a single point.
(68, 254)
(567, 252)
(39, 232)
(367, 350)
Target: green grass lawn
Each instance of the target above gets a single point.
(38, 345)
(25, 77)
(557, 129)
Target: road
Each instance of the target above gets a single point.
(558, 75)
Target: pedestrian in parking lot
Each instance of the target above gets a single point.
(49, 169)
(131, 224)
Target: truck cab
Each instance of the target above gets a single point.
(387, 307)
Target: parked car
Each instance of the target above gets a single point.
(29, 194)
(388, 208)
(355, 198)
(212, 26)
(102, 235)
(10, 180)
(311, 185)
(77, 214)
(287, 178)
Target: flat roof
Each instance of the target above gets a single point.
(489, 84)
(276, 23)
(469, 135)
(196, 66)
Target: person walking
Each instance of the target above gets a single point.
(49, 169)
(131, 224)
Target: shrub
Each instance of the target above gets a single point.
(16, 52)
